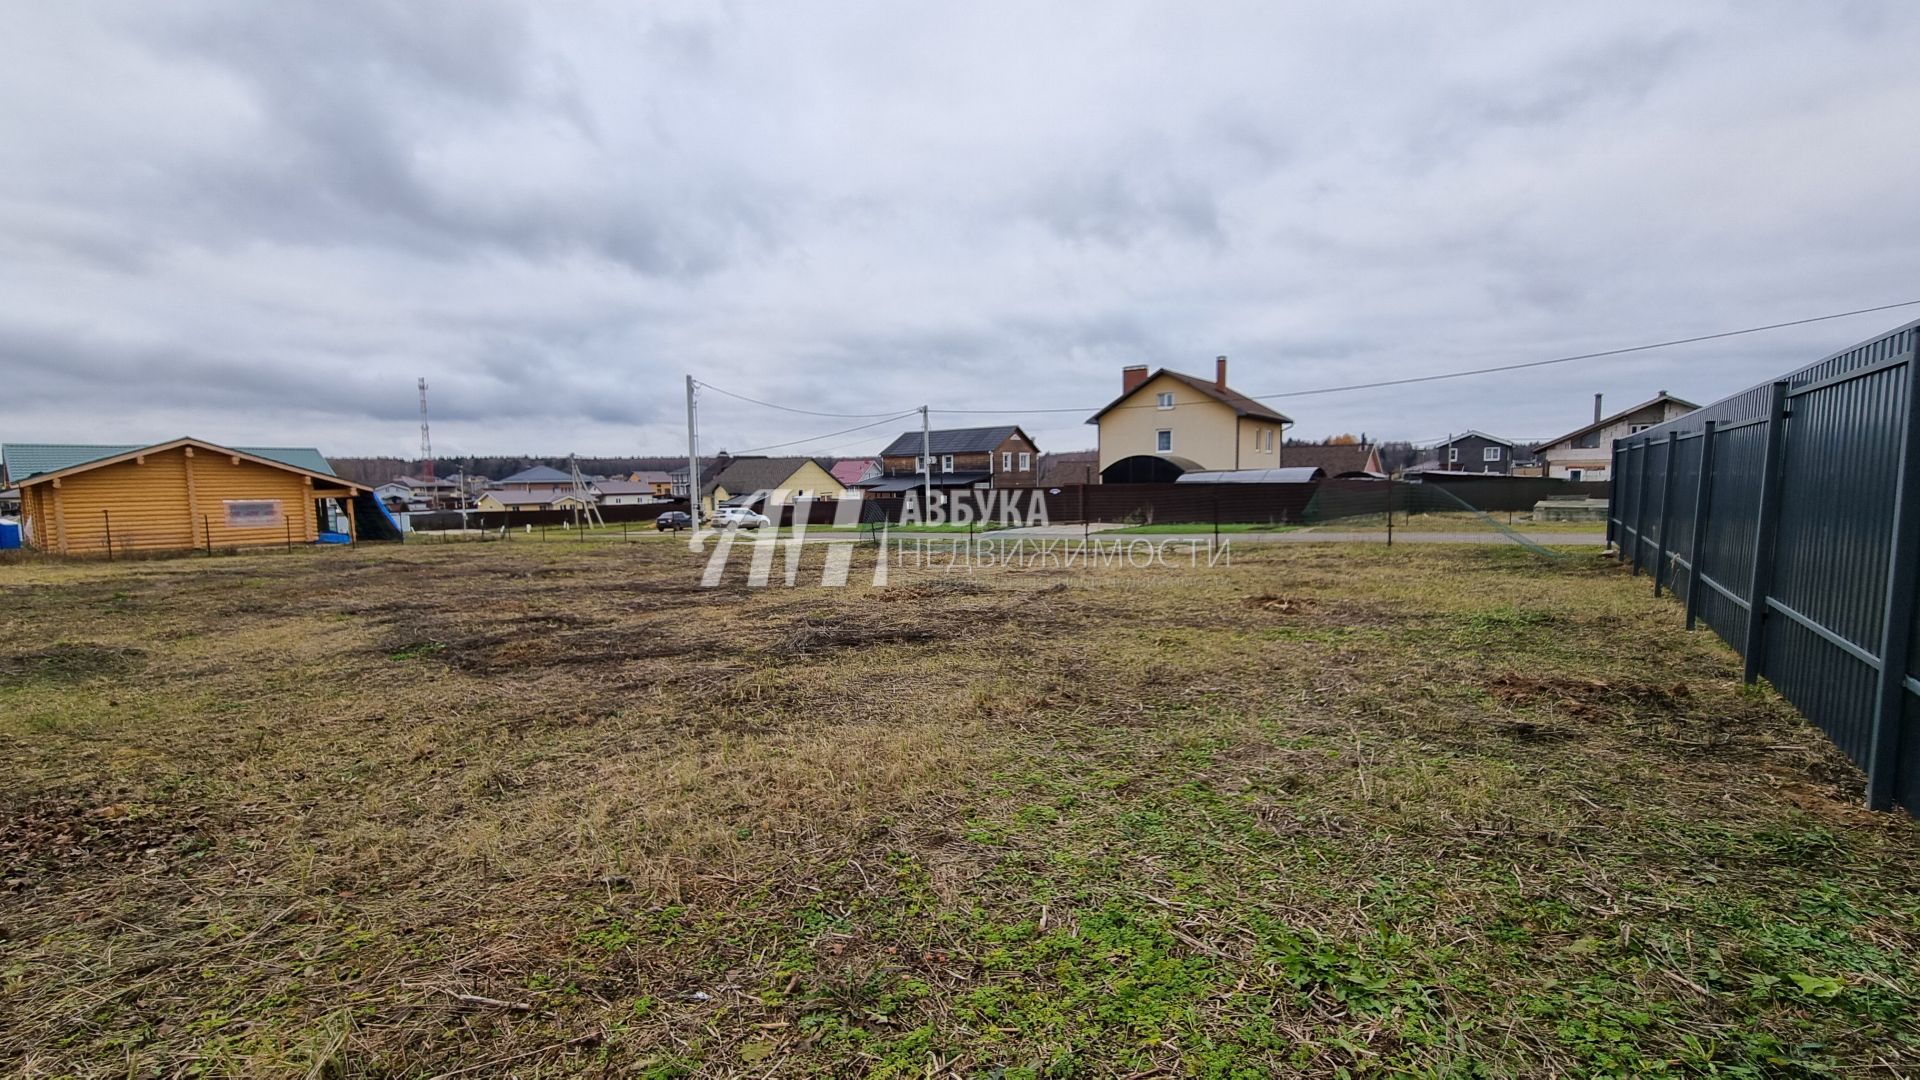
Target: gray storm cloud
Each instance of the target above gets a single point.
(255, 222)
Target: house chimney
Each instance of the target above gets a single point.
(1132, 377)
(1220, 372)
(1596, 408)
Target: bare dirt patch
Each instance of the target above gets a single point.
(70, 662)
(64, 831)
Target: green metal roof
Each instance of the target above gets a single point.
(26, 460)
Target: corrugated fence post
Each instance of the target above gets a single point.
(1639, 502)
(1889, 704)
(1761, 585)
(1614, 509)
(1666, 500)
(1696, 550)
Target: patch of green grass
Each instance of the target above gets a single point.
(1196, 528)
(1323, 812)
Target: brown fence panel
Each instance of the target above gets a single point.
(1514, 492)
(494, 519)
(1250, 504)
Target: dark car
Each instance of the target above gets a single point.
(674, 520)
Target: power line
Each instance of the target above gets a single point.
(1591, 355)
(785, 408)
(1383, 383)
(828, 435)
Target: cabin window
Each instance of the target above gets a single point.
(1491, 453)
(1026, 462)
(1006, 460)
(1163, 441)
(252, 513)
(1166, 400)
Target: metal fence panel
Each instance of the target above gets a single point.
(1817, 536)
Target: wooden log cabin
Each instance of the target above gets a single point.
(182, 494)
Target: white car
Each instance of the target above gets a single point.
(739, 517)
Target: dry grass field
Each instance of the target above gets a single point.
(552, 810)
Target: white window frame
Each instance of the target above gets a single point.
(1164, 400)
(1635, 429)
(1006, 461)
(1163, 441)
(946, 463)
(1453, 455)
(1026, 461)
(1490, 453)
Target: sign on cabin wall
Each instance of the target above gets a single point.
(253, 513)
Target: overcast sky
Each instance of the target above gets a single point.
(261, 222)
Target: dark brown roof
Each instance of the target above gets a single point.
(1331, 458)
(1070, 467)
(1241, 404)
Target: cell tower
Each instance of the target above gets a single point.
(426, 439)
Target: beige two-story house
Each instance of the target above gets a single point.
(1166, 423)
(1587, 453)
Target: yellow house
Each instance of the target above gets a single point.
(784, 479)
(1167, 423)
(187, 493)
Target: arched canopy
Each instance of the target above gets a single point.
(1146, 469)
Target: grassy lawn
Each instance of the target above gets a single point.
(1458, 521)
(556, 810)
(976, 528)
(1194, 529)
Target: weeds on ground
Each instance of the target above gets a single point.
(1328, 811)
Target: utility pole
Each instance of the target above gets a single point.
(426, 439)
(693, 459)
(926, 463)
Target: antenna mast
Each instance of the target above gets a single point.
(426, 439)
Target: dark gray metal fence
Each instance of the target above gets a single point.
(1787, 518)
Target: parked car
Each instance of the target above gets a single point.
(731, 517)
(673, 521)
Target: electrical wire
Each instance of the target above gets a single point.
(1411, 380)
(1375, 385)
(785, 408)
(828, 435)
